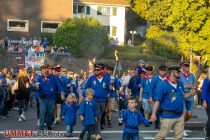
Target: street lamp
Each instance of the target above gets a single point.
(132, 33)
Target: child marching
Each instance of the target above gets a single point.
(69, 112)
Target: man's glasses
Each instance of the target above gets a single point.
(96, 69)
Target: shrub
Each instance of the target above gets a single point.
(82, 36)
(162, 43)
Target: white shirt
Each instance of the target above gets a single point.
(100, 80)
(126, 81)
(161, 78)
(173, 85)
(35, 42)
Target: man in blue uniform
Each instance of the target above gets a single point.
(206, 101)
(45, 42)
(146, 92)
(100, 83)
(188, 80)
(59, 101)
(47, 89)
(114, 92)
(134, 87)
(155, 84)
(170, 98)
(3, 90)
(141, 67)
(66, 82)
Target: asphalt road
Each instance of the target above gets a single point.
(114, 133)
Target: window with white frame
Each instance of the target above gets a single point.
(107, 28)
(17, 25)
(49, 26)
(107, 11)
(81, 9)
(114, 30)
(111, 30)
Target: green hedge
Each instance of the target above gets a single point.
(84, 37)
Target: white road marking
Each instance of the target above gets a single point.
(171, 138)
(108, 132)
(196, 122)
(69, 138)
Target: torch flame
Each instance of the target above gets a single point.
(94, 60)
(115, 54)
(90, 63)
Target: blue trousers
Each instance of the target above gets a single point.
(89, 129)
(22, 106)
(46, 112)
(208, 121)
(69, 128)
(130, 136)
(2, 98)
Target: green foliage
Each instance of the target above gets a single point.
(189, 19)
(1, 49)
(49, 36)
(131, 53)
(82, 36)
(162, 43)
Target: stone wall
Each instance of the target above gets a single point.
(11, 60)
(76, 64)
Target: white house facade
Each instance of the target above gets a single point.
(111, 14)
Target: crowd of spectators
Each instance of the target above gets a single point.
(31, 45)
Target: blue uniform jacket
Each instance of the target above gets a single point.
(101, 89)
(116, 86)
(4, 82)
(186, 81)
(121, 96)
(69, 112)
(65, 82)
(75, 87)
(147, 90)
(88, 110)
(171, 99)
(45, 42)
(206, 90)
(132, 120)
(49, 87)
(36, 92)
(140, 69)
(155, 84)
(134, 85)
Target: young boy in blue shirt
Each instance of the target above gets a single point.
(132, 119)
(88, 114)
(69, 112)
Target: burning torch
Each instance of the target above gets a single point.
(91, 65)
(115, 67)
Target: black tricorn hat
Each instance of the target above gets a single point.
(174, 67)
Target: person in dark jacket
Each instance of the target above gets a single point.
(206, 101)
(3, 92)
(22, 93)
